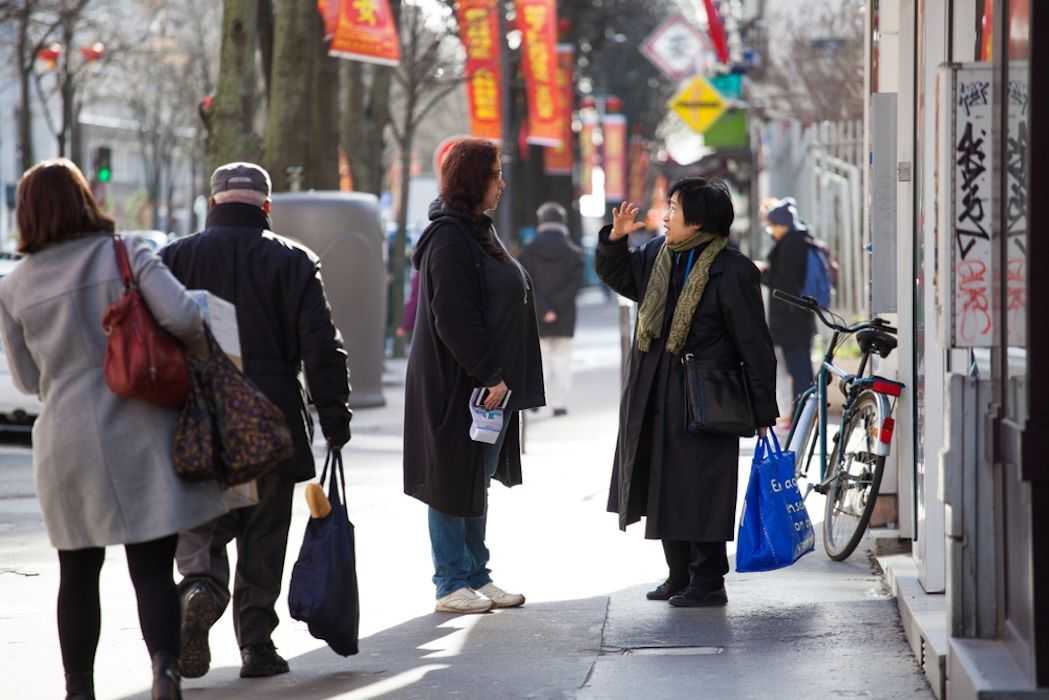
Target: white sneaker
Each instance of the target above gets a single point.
(463, 602)
(500, 598)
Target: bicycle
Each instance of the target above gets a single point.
(851, 477)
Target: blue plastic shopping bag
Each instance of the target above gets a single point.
(323, 591)
(775, 530)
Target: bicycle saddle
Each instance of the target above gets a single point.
(872, 340)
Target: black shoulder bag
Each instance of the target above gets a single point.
(717, 399)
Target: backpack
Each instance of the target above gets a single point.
(820, 273)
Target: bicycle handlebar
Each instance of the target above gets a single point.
(810, 304)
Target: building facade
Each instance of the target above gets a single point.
(955, 91)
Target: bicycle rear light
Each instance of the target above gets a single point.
(887, 426)
(887, 387)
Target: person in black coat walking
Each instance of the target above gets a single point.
(555, 264)
(702, 297)
(792, 328)
(475, 327)
(284, 324)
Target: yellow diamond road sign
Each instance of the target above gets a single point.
(699, 105)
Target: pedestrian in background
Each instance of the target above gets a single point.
(792, 328)
(102, 464)
(285, 325)
(411, 306)
(698, 297)
(476, 327)
(555, 264)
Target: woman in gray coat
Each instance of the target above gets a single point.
(102, 464)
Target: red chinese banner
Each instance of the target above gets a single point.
(479, 32)
(537, 20)
(559, 161)
(614, 128)
(365, 31)
(587, 153)
(639, 162)
(329, 10)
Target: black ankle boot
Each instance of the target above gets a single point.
(167, 684)
(80, 685)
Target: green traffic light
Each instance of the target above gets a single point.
(104, 174)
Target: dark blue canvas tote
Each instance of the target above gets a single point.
(323, 591)
(775, 530)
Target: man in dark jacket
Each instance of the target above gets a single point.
(285, 324)
(555, 264)
(792, 328)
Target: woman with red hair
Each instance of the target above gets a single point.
(475, 327)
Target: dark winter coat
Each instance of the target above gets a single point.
(475, 326)
(789, 325)
(555, 264)
(283, 319)
(685, 483)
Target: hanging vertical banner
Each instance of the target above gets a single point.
(639, 161)
(587, 151)
(479, 32)
(537, 20)
(614, 128)
(329, 10)
(559, 161)
(365, 31)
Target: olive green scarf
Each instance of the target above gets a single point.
(653, 306)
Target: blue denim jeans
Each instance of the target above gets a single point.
(460, 557)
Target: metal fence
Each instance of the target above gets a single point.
(821, 166)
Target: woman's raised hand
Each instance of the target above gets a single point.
(623, 222)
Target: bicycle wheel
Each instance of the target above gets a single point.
(857, 471)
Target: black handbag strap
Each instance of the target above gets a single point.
(338, 476)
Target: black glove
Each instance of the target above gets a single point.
(338, 440)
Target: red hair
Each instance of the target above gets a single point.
(54, 204)
(467, 172)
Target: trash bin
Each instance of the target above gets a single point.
(345, 230)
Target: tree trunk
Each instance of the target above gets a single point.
(25, 111)
(323, 169)
(398, 256)
(231, 135)
(265, 38)
(365, 116)
(68, 89)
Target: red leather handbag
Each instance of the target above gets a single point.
(143, 361)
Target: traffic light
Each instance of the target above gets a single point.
(103, 164)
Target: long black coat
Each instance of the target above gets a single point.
(475, 326)
(555, 264)
(685, 483)
(283, 319)
(790, 326)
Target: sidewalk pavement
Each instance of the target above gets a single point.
(818, 629)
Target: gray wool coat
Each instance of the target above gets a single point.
(102, 464)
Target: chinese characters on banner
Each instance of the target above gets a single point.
(558, 161)
(639, 162)
(969, 160)
(1016, 205)
(365, 31)
(537, 20)
(479, 32)
(614, 128)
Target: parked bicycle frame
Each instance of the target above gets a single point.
(864, 438)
